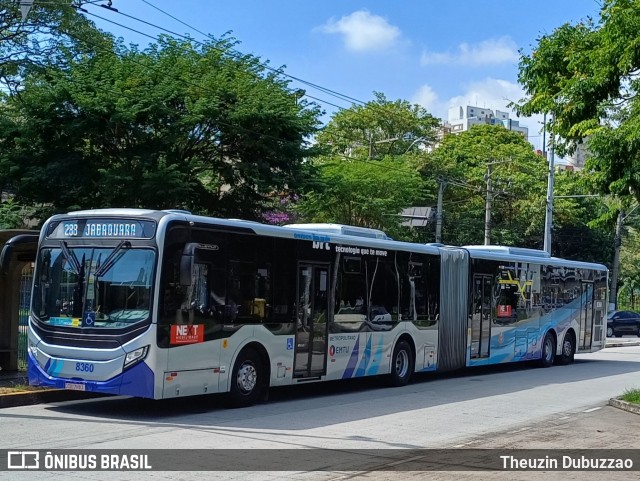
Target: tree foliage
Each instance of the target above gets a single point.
(363, 193)
(379, 128)
(518, 190)
(45, 38)
(176, 125)
(629, 277)
(14, 215)
(518, 187)
(586, 76)
(368, 173)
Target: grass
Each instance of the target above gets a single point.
(632, 396)
(17, 388)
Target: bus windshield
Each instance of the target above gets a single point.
(93, 287)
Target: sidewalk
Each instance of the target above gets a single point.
(602, 427)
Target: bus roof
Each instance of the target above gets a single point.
(341, 230)
(345, 234)
(520, 254)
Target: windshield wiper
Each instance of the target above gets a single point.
(71, 256)
(114, 257)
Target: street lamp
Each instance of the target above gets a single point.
(419, 139)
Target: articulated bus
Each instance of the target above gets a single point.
(162, 304)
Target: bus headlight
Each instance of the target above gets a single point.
(134, 357)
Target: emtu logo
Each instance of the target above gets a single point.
(23, 460)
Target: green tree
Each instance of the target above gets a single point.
(379, 128)
(45, 38)
(14, 215)
(363, 193)
(176, 125)
(518, 186)
(629, 277)
(369, 170)
(586, 76)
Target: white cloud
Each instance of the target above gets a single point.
(427, 98)
(492, 51)
(363, 31)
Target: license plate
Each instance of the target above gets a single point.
(74, 386)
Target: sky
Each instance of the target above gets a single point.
(438, 54)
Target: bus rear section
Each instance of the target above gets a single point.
(526, 305)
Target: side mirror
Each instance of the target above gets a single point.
(186, 264)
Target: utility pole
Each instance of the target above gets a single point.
(544, 135)
(613, 295)
(443, 184)
(384, 141)
(548, 221)
(487, 208)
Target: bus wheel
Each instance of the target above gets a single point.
(401, 364)
(568, 349)
(246, 379)
(548, 351)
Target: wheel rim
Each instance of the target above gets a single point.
(567, 348)
(609, 332)
(548, 349)
(402, 363)
(247, 378)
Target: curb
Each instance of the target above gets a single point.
(622, 344)
(624, 405)
(44, 396)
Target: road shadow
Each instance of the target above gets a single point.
(333, 402)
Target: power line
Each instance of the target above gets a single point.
(231, 52)
(305, 82)
(190, 39)
(235, 53)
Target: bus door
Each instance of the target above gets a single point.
(586, 315)
(481, 315)
(312, 330)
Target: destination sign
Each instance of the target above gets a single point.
(104, 228)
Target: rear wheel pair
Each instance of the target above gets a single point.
(548, 350)
(568, 349)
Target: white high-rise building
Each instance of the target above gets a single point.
(461, 118)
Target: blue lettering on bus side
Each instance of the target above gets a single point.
(84, 367)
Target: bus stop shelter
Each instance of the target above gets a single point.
(16, 273)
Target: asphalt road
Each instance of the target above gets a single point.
(433, 412)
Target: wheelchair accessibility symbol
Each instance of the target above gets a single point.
(89, 319)
(289, 343)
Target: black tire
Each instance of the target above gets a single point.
(568, 349)
(609, 331)
(401, 364)
(247, 381)
(548, 350)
